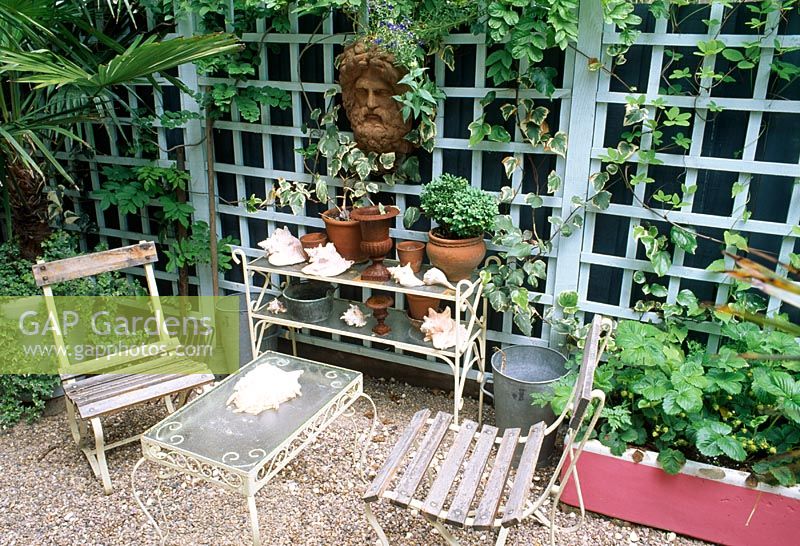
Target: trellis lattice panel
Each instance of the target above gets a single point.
(740, 172)
(250, 157)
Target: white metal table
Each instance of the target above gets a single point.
(243, 452)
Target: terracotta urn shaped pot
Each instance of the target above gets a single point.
(375, 240)
(345, 235)
(458, 258)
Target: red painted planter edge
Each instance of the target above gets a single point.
(704, 501)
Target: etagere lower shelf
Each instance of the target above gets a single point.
(468, 305)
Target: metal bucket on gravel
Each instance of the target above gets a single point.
(519, 371)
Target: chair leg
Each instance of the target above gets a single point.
(170, 405)
(502, 536)
(446, 534)
(376, 526)
(100, 455)
(74, 425)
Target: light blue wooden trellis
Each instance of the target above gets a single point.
(585, 98)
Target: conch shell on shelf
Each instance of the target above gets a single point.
(440, 329)
(283, 248)
(404, 276)
(266, 387)
(354, 316)
(276, 306)
(436, 276)
(326, 262)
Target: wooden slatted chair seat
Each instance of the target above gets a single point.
(107, 385)
(472, 482)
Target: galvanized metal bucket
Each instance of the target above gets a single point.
(309, 301)
(519, 371)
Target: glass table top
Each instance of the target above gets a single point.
(207, 427)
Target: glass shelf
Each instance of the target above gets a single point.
(403, 334)
(352, 277)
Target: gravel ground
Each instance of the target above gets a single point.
(48, 494)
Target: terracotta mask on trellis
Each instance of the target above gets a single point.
(369, 80)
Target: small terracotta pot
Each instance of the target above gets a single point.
(418, 305)
(411, 252)
(345, 236)
(458, 258)
(313, 240)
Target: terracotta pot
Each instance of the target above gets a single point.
(418, 305)
(713, 503)
(345, 236)
(375, 240)
(411, 252)
(458, 258)
(313, 240)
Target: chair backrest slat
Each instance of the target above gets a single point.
(583, 394)
(57, 271)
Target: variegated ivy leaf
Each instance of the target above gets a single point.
(448, 57)
(599, 180)
(602, 200)
(410, 217)
(534, 200)
(506, 194)
(634, 114)
(539, 114)
(321, 189)
(558, 144)
(553, 182)
(387, 160)
(508, 110)
(511, 164)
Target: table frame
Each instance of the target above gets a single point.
(168, 452)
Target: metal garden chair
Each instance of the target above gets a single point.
(106, 385)
(502, 481)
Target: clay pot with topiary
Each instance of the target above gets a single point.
(464, 214)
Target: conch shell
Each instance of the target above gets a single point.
(276, 306)
(404, 276)
(283, 248)
(354, 316)
(326, 262)
(440, 329)
(266, 387)
(436, 276)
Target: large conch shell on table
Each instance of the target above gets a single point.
(326, 262)
(440, 329)
(283, 248)
(264, 388)
(436, 276)
(404, 276)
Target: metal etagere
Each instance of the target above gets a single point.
(468, 306)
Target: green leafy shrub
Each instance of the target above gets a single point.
(738, 408)
(24, 395)
(460, 210)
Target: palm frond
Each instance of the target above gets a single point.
(141, 59)
(766, 280)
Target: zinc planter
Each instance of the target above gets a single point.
(703, 501)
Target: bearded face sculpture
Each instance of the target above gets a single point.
(369, 80)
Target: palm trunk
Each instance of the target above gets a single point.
(28, 209)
